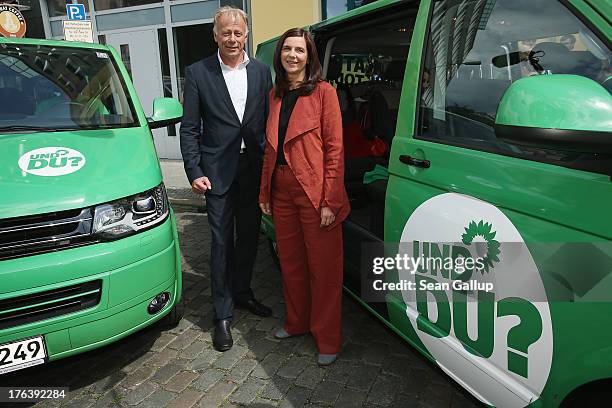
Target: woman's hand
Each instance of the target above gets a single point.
(265, 208)
(327, 216)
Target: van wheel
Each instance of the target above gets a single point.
(273, 252)
(172, 319)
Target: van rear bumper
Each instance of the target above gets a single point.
(132, 271)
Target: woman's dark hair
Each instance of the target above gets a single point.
(313, 66)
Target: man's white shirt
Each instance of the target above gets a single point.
(237, 85)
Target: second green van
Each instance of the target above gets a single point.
(89, 249)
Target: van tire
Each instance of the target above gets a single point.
(173, 318)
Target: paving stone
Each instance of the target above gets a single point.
(193, 350)
(350, 399)
(183, 325)
(186, 399)
(296, 397)
(460, 400)
(286, 347)
(159, 398)
(137, 362)
(260, 348)
(395, 365)
(267, 324)
(141, 392)
(217, 394)
(162, 341)
(293, 367)
(163, 375)
(82, 399)
(181, 381)
(340, 371)
(184, 340)
(362, 377)
(310, 377)
(204, 360)
(326, 393)
(162, 358)
(259, 402)
(276, 389)
(207, 379)
(306, 346)
(247, 392)
(383, 391)
(241, 371)
(113, 397)
(103, 385)
(353, 352)
(244, 325)
(138, 377)
(269, 366)
(414, 381)
(229, 358)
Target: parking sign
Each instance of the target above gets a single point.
(75, 11)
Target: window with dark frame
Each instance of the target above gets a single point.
(462, 81)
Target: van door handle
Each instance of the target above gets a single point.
(411, 161)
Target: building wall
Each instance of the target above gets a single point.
(271, 18)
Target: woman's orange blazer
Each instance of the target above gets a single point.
(313, 149)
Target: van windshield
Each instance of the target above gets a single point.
(44, 88)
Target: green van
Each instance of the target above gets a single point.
(495, 118)
(88, 242)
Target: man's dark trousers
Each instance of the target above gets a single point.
(231, 264)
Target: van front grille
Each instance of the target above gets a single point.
(39, 306)
(35, 234)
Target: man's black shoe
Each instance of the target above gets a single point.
(222, 338)
(255, 307)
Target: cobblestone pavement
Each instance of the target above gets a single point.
(179, 367)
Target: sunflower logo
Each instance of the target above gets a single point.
(483, 230)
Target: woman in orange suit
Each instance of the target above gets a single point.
(302, 187)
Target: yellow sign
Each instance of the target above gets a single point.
(12, 23)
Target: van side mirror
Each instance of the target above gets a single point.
(166, 111)
(562, 112)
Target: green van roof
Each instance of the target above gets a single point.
(347, 16)
(52, 43)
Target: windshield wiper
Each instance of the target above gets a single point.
(26, 128)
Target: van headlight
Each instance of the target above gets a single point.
(130, 215)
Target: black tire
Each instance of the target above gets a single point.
(273, 252)
(172, 319)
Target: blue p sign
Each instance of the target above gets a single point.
(75, 11)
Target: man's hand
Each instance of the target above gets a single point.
(265, 208)
(327, 216)
(201, 185)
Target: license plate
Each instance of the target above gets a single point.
(22, 354)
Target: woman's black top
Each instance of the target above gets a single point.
(287, 105)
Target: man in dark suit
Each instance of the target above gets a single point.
(222, 140)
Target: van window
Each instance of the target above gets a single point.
(462, 80)
(56, 88)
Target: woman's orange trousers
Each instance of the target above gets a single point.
(311, 264)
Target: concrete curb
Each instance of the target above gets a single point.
(190, 202)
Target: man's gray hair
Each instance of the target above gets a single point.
(233, 12)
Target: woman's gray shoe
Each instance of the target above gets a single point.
(281, 334)
(326, 359)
